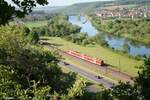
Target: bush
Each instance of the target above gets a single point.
(79, 38)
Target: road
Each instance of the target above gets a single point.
(90, 76)
(107, 69)
(87, 75)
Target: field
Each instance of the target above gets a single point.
(31, 24)
(118, 61)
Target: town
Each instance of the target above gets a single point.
(125, 12)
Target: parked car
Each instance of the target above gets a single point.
(99, 77)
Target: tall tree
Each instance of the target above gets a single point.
(140, 90)
(29, 72)
(19, 8)
(143, 79)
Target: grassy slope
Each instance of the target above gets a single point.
(126, 64)
(36, 23)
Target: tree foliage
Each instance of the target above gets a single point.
(143, 79)
(99, 39)
(19, 8)
(140, 90)
(29, 72)
(79, 38)
(57, 26)
(137, 29)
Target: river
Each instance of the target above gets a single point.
(113, 42)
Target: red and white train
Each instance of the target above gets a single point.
(85, 57)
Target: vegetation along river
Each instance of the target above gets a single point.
(117, 43)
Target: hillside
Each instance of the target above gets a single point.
(73, 9)
(81, 8)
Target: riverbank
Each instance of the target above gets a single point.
(136, 30)
(132, 50)
(119, 62)
(118, 44)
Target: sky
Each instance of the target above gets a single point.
(66, 2)
(69, 2)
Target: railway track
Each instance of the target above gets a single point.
(105, 68)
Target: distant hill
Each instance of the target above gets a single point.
(76, 8)
(48, 8)
(138, 2)
(91, 6)
(82, 7)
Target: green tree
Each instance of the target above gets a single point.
(29, 72)
(140, 90)
(60, 27)
(126, 47)
(143, 79)
(34, 36)
(85, 42)
(99, 39)
(8, 11)
(125, 91)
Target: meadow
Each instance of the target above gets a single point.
(32, 24)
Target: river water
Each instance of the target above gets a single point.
(117, 43)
